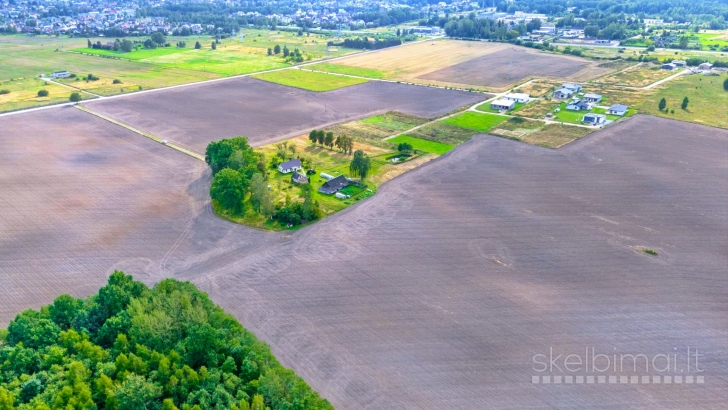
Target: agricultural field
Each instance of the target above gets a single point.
(707, 99)
(711, 39)
(309, 80)
(639, 75)
(21, 94)
(475, 121)
(373, 130)
(264, 112)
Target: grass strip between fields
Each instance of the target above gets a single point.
(422, 145)
(309, 80)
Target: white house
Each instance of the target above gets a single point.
(594, 119)
(573, 87)
(517, 97)
(679, 63)
(60, 74)
(592, 98)
(618, 109)
(502, 104)
(290, 166)
(563, 93)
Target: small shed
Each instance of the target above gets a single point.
(705, 66)
(290, 166)
(298, 178)
(502, 104)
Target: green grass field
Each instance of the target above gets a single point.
(707, 100)
(423, 145)
(138, 54)
(393, 121)
(344, 69)
(225, 63)
(24, 94)
(475, 121)
(309, 80)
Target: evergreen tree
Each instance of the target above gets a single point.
(662, 104)
(684, 104)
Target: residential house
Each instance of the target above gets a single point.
(298, 178)
(705, 66)
(594, 119)
(592, 98)
(290, 166)
(669, 66)
(502, 104)
(334, 185)
(517, 97)
(679, 63)
(573, 87)
(578, 106)
(618, 109)
(563, 93)
(60, 74)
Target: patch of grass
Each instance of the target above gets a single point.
(218, 61)
(139, 54)
(444, 133)
(25, 94)
(705, 92)
(373, 129)
(637, 76)
(555, 135)
(308, 80)
(475, 121)
(649, 251)
(423, 145)
(349, 70)
(394, 121)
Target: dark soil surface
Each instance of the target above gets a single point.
(264, 112)
(435, 293)
(495, 70)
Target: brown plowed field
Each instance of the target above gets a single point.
(264, 112)
(513, 65)
(435, 293)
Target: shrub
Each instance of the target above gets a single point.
(650, 252)
(42, 93)
(75, 97)
(116, 81)
(4, 91)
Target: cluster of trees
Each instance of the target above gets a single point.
(295, 212)
(133, 348)
(295, 56)
(342, 142)
(364, 43)
(233, 163)
(388, 17)
(119, 45)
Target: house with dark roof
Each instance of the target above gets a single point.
(573, 87)
(290, 166)
(332, 186)
(298, 178)
(578, 106)
(618, 109)
(594, 119)
(563, 93)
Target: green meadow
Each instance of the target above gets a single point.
(432, 147)
(309, 80)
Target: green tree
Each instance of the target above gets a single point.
(277, 49)
(198, 45)
(76, 394)
(662, 104)
(42, 93)
(227, 190)
(329, 139)
(725, 84)
(286, 52)
(685, 102)
(89, 43)
(32, 329)
(258, 188)
(360, 164)
(313, 136)
(7, 400)
(75, 97)
(64, 309)
(270, 51)
(126, 45)
(158, 38)
(258, 403)
(136, 393)
(168, 404)
(320, 137)
(213, 45)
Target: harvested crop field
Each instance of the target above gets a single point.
(264, 112)
(495, 70)
(435, 293)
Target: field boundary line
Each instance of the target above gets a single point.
(142, 133)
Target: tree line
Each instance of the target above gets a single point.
(364, 43)
(132, 348)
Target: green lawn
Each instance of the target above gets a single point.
(564, 115)
(345, 69)
(221, 62)
(139, 54)
(475, 121)
(309, 80)
(423, 145)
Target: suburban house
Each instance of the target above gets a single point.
(573, 87)
(60, 74)
(332, 186)
(517, 97)
(502, 104)
(290, 166)
(578, 106)
(594, 119)
(669, 66)
(679, 63)
(618, 109)
(563, 93)
(705, 66)
(592, 98)
(298, 178)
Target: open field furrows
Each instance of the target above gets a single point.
(80, 197)
(265, 112)
(435, 293)
(509, 66)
